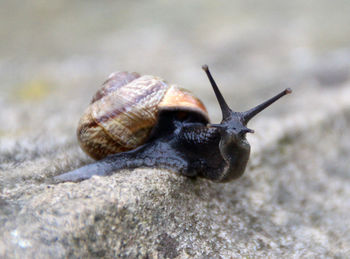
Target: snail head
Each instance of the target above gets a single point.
(234, 124)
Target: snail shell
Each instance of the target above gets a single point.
(124, 110)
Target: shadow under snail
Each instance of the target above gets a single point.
(141, 121)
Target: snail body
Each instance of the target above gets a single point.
(141, 121)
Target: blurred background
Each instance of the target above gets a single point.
(295, 197)
(55, 54)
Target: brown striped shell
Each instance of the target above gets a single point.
(124, 110)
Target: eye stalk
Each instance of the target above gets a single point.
(226, 111)
(247, 115)
(238, 120)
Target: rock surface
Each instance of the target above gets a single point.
(292, 202)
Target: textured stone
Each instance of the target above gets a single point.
(292, 201)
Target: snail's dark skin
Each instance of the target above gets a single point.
(187, 144)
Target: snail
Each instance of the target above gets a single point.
(141, 121)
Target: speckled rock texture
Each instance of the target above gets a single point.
(292, 202)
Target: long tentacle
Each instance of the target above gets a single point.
(247, 115)
(225, 109)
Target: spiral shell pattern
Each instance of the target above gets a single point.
(125, 109)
